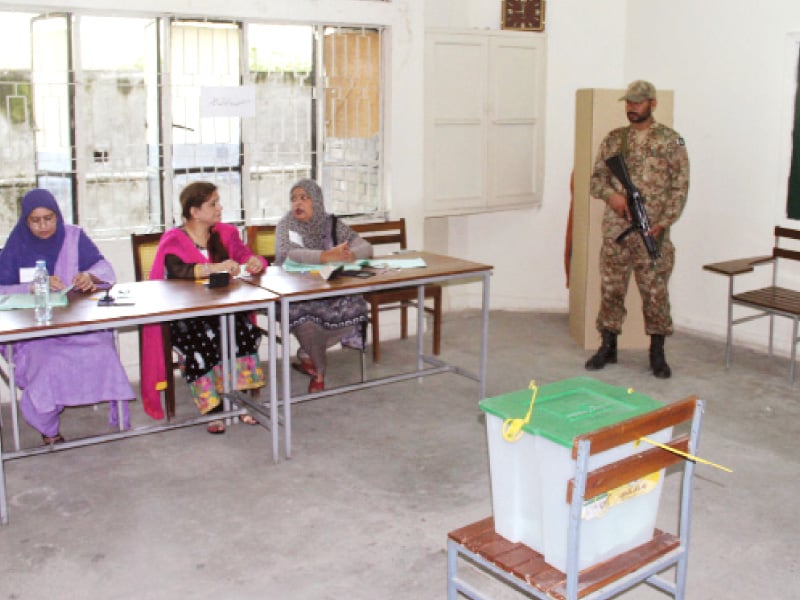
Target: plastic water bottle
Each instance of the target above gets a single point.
(41, 293)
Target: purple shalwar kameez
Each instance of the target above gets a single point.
(71, 370)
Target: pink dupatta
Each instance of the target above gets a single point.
(176, 241)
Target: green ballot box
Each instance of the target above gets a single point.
(529, 476)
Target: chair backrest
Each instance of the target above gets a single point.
(144, 246)
(787, 247)
(261, 240)
(780, 250)
(633, 467)
(382, 232)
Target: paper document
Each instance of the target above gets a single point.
(395, 263)
(12, 301)
(323, 270)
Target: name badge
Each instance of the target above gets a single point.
(26, 274)
(296, 238)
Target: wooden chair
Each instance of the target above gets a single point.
(773, 300)
(525, 569)
(394, 232)
(144, 247)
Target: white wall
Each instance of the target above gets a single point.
(585, 48)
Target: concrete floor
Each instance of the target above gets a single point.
(379, 477)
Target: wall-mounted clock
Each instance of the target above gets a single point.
(523, 15)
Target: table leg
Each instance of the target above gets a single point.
(12, 393)
(273, 379)
(286, 357)
(420, 328)
(484, 336)
(226, 349)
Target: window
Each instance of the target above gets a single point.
(250, 106)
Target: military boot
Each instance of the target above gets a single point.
(607, 353)
(658, 362)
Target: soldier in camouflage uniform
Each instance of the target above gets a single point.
(659, 166)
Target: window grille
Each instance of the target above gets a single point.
(116, 135)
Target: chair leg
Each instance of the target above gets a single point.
(169, 393)
(437, 322)
(403, 322)
(363, 352)
(729, 341)
(793, 365)
(376, 341)
(452, 570)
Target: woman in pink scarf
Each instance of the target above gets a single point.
(203, 245)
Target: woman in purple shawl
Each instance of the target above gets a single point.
(70, 370)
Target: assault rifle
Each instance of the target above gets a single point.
(639, 221)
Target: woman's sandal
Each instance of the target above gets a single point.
(216, 427)
(315, 386)
(49, 441)
(305, 366)
(248, 420)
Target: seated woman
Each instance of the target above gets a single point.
(203, 245)
(69, 370)
(308, 235)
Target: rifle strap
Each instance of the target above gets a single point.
(624, 149)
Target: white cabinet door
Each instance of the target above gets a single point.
(483, 121)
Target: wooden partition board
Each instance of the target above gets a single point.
(598, 111)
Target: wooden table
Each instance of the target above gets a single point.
(153, 302)
(297, 287)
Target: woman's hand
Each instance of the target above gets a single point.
(340, 253)
(83, 282)
(253, 265)
(56, 285)
(227, 266)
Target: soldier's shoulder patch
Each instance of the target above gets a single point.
(681, 141)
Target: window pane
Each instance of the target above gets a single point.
(112, 115)
(17, 173)
(280, 143)
(51, 78)
(351, 156)
(205, 54)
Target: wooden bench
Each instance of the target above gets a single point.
(526, 570)
(770, 301)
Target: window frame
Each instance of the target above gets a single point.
(162, 184)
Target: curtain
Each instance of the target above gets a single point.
(793, 201)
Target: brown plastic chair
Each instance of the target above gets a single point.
(394, 232)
